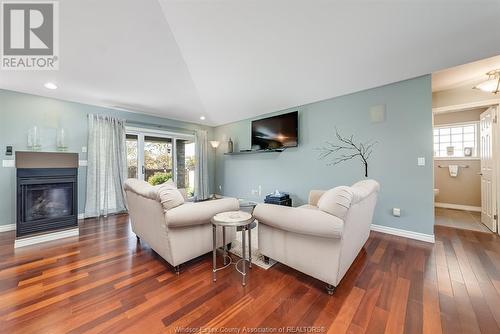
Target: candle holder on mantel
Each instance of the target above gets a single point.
(61, 140)
(34, 139)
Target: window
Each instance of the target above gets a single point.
(157, 156)
(186, 162)
(456, 141)
(154, 151)
(132, 156)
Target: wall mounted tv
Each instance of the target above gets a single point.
(277, 132)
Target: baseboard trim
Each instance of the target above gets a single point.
(457, 207)
(46, 237)
(8, 227)
(403, 233)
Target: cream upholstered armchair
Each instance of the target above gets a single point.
(175, 229)
(322, 238)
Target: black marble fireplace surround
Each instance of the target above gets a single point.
(46, 200)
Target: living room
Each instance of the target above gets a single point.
(213, 166)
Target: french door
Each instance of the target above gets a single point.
(157, 154)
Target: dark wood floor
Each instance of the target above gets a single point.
(105, 282)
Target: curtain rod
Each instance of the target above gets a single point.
(166, 127)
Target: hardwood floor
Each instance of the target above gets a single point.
(105, 282)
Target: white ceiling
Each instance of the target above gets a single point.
(230, 60)
(116, 53)
(464, 75)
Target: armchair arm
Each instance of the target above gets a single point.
(314, 196)
(299, 220)
(198, 213)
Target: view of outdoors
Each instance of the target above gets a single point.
(157, 156)
(132, 155)
(185, 165)
(158, 160)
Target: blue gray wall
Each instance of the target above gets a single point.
(405, 135)
(19, 112)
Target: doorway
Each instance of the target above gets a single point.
(465, 107)
(464, 169)
(159, 155)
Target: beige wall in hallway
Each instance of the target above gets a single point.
(465, 189)
(458, 117)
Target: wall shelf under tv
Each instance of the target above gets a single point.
(279, 150)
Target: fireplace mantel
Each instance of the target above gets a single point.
(27, 159)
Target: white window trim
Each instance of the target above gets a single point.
(159, 133)
(450, 125)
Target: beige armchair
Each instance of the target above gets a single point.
(177, 234)
(322, 238)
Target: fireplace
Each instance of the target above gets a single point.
(46, 195)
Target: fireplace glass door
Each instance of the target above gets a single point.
(47, 201)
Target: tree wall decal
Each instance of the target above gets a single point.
(347, 149)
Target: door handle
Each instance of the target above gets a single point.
(480, 174)
(143, 170)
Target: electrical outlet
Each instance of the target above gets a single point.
(84, 149)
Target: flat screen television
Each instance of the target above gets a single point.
(275, 132)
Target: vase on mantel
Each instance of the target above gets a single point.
(230, 146)
(34, 139)
(61, 140)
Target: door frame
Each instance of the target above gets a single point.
(495, 141)
(143, 132)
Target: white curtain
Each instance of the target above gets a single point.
(107, 165)
(201, 170)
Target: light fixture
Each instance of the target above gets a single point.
(202, 118)
(491, 85)
(214, 143)
(50, 85)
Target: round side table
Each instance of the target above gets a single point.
(242, 221)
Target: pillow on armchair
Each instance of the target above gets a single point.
(170, 196)
(336, 201)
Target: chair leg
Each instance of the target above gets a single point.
(266, 259)
(330, 289)
(138, 239)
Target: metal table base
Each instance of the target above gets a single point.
(226, 256)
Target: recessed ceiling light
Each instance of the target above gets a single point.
(50, 85)
(202, 118)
